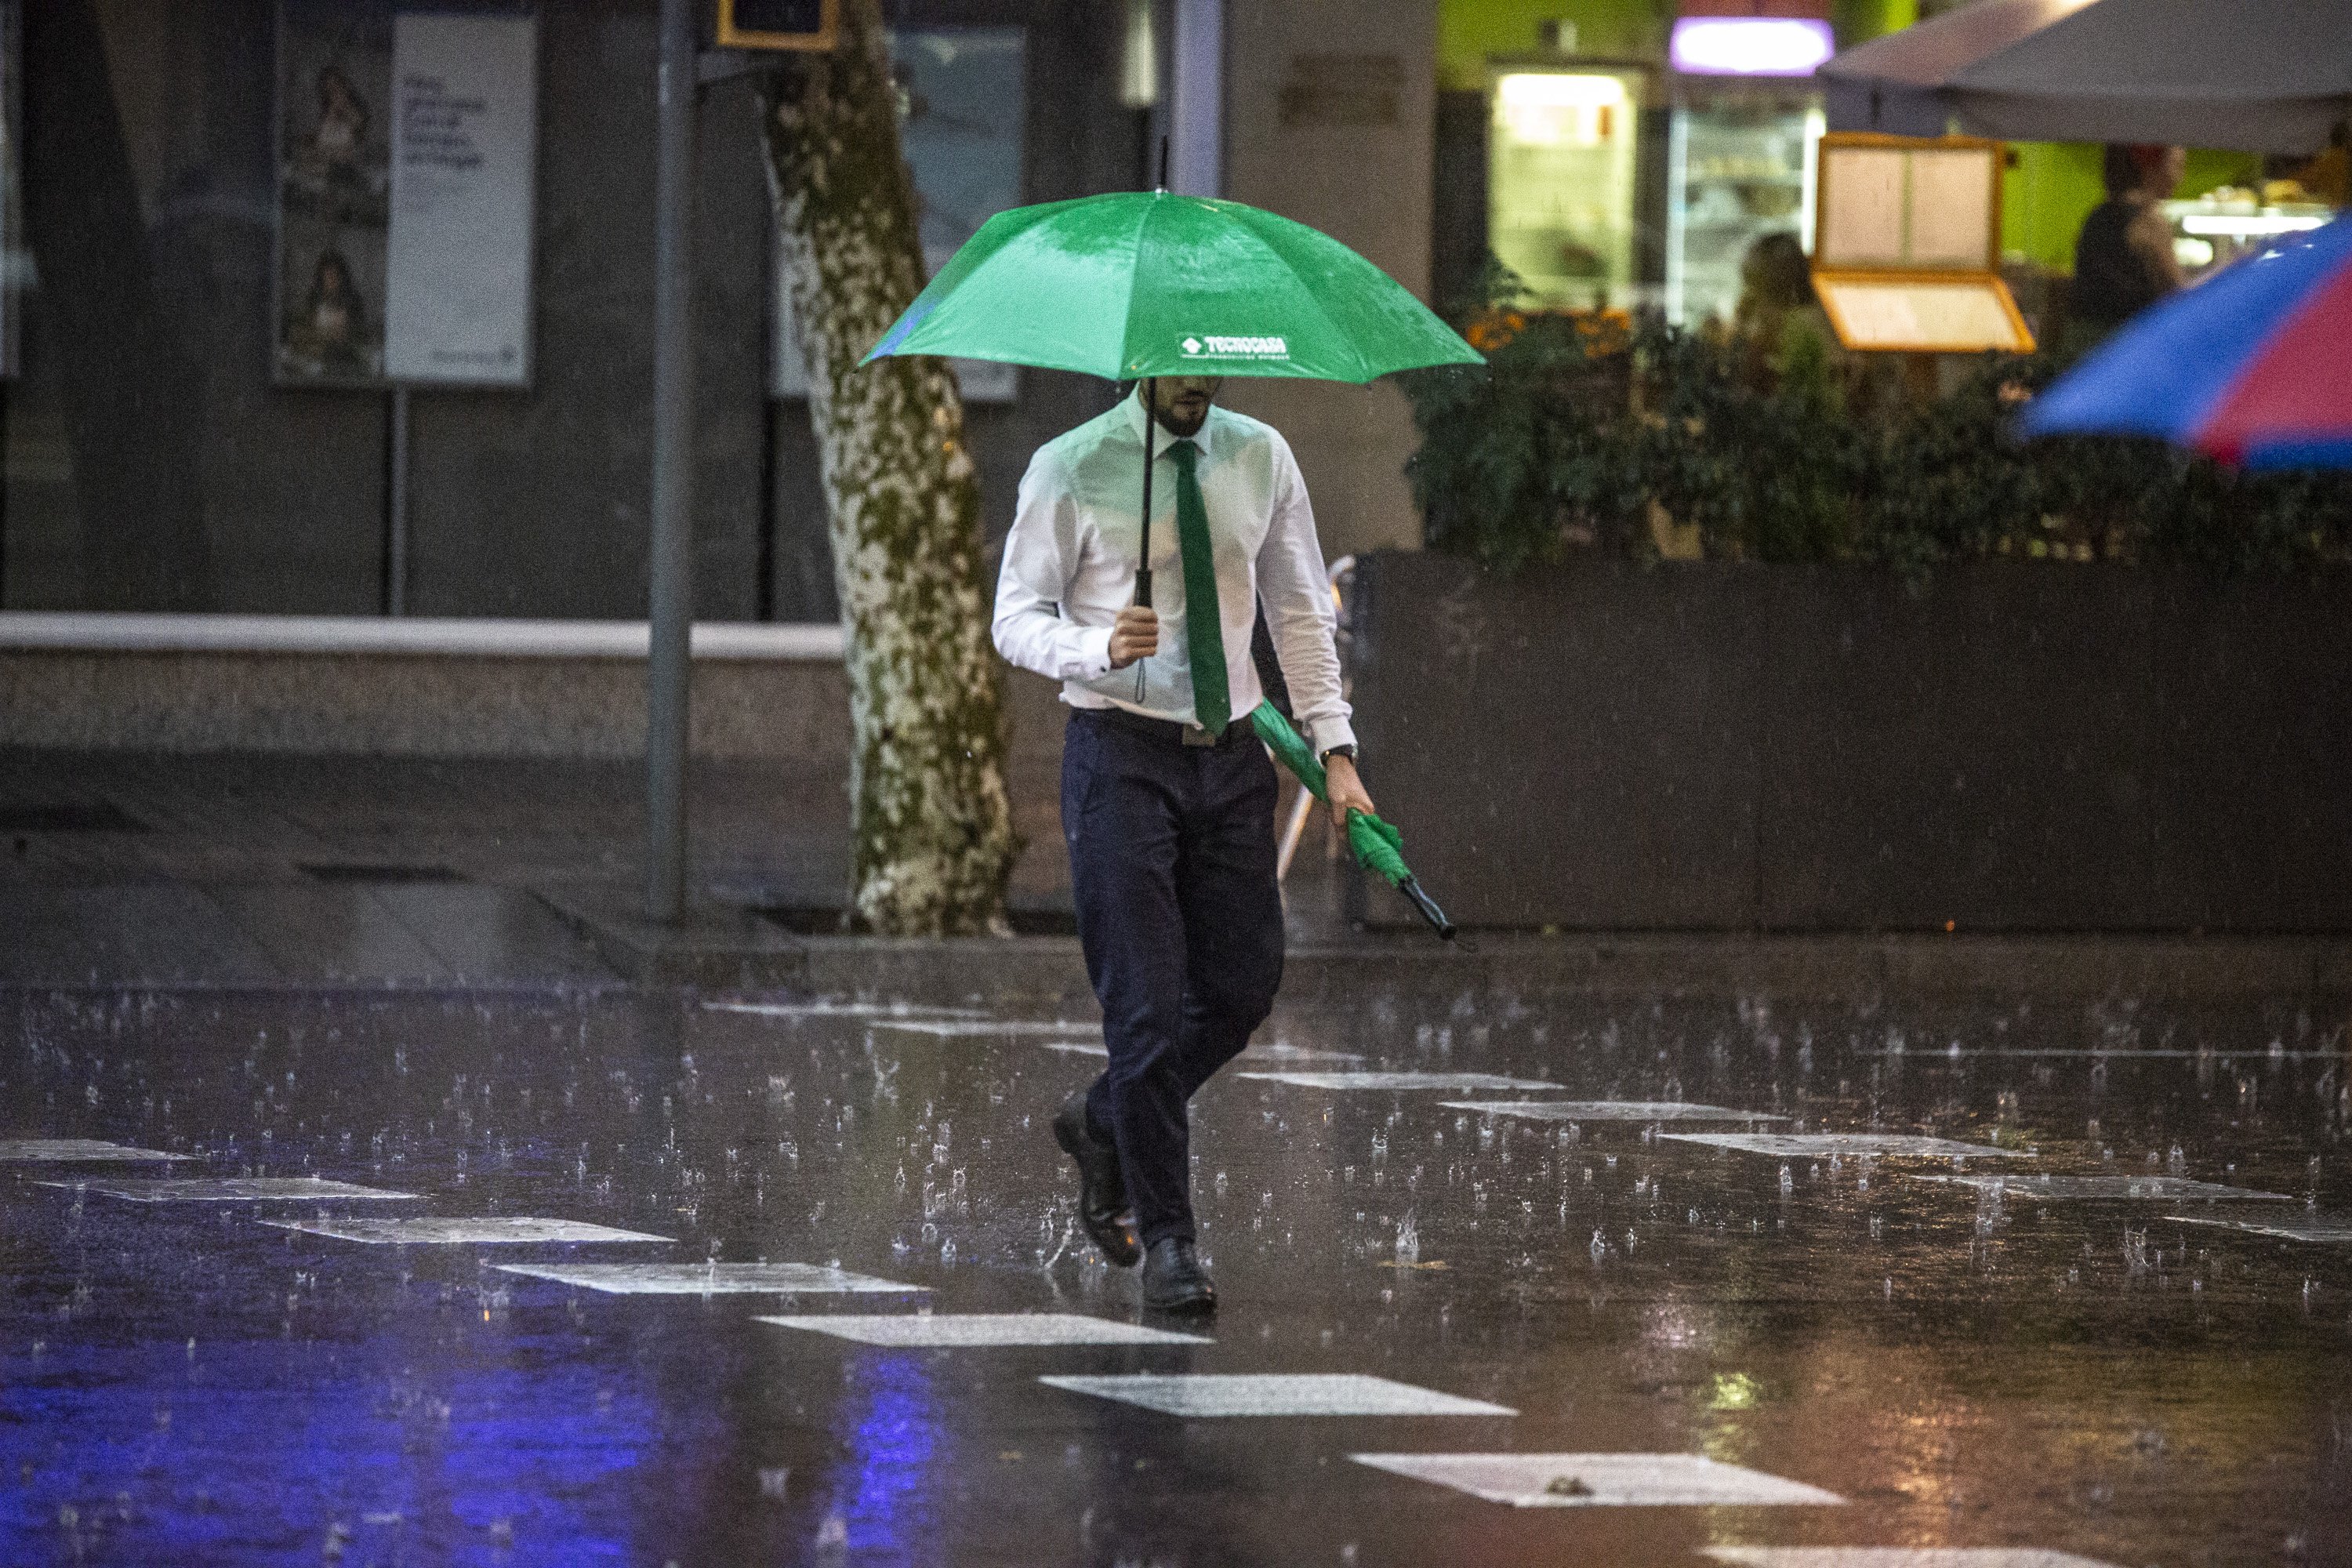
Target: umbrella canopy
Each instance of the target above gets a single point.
(1150, 283)
(1895, 83)
(2249, 366)
(2265, 76)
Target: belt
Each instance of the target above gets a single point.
(1167, 730)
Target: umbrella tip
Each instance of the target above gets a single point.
(1161, 188)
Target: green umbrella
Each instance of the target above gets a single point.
(1142, 284)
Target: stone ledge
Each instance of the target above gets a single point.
(736, 949)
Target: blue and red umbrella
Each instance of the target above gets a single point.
(2254, 366)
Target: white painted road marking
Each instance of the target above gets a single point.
(1255, 1054)
(2092, 1189)
(1600, 1480)
(1898, 1557)
(76, 1150)
(946, 1330)
(235, 1190)
(710, 1279)
(1398, 1081)
(837, 1010)
(958, 1029)
(515, 1230)
(1808, 1145)
(1609, 1110)
(2318, 1228)
(1268, 1393)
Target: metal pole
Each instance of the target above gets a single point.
(396, 531)
(1196, 99)
(671, 554)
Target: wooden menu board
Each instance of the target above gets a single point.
(1907, 253)
(1922, 313)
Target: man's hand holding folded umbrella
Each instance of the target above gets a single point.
(1343, 790)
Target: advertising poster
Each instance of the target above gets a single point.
(334, 176)
(963, 93)
(407, 147)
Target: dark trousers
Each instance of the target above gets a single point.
(1171, 862)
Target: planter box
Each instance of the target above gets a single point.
(1716, 747)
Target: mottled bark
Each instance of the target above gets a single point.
(932, 825)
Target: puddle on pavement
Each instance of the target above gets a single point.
(2065, 1366)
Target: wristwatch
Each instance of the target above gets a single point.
(1347, 752)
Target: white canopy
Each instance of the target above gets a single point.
(2265, 76)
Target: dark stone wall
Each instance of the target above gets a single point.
(1720, 747)
(150, 463)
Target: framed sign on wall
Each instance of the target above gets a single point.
(778, 24)
(407, 154)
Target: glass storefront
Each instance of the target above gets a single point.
(1561, 193)
(1739, 166)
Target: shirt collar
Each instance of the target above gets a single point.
(1135, 424)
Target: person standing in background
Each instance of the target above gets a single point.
(2123, 259)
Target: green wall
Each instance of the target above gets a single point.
(2047, 191)
(2051, 187)
(1468, 31)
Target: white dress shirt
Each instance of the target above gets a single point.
(1069, 569)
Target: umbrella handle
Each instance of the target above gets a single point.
(1428, 908)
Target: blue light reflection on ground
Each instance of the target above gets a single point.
(887, 1492)
(441, 1455)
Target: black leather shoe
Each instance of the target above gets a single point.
(1102, 1194)
(1174, 1279)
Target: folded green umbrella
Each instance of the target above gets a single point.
(1379, 848)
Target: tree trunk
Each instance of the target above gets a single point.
(932, 828)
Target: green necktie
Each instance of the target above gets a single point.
(1204, 638)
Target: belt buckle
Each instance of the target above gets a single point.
(1194, 735)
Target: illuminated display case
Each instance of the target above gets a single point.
(2215, 229)
(1739, 165)
(1562, 163)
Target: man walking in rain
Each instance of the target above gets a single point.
(1168, 798)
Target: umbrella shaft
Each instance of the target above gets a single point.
(1150, 440)
(1143, 554)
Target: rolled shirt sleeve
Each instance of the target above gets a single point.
(1296, 590)
(1041, 556)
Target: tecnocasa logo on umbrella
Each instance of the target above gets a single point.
(1234, 348)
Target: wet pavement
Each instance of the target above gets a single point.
(676, 1282)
